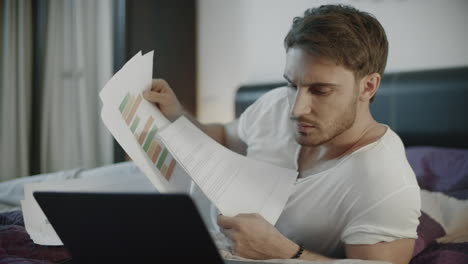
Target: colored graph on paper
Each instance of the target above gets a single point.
(144, 128)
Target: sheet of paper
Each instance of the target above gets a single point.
(123, 92)
(151, 156)
(37, 225)
(234, 183)
(134, 123)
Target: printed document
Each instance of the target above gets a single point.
(170, 154)
(234, 183)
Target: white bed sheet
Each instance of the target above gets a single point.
(11, 194)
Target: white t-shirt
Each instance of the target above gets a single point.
(366, 197)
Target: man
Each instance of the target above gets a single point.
(356, 195)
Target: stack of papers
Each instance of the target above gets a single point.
(171, 153)
(165, 151)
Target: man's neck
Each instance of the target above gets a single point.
(364, 131)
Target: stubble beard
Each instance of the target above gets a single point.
(321, 135)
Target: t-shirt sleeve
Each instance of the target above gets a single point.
(394, 217)
(246, 118)
(256, 111)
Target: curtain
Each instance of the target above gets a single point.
(78, 62)
(15, 87)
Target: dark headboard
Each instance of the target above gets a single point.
(423, 107)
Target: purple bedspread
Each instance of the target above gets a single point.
(17, 247)
(440, 170)
(437, 169)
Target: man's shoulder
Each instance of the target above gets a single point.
(269, 105)
(266, 121)
(388, 148)
(377, 174)
(279, 91)
(274, 96)
(382, 164)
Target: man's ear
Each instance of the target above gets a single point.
(369, 86)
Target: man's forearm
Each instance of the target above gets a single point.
(308, 255)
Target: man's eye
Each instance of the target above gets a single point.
(319, 91)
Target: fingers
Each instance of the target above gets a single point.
(160, 92)
(230, 236)
(228, 232)
(160, 85)
(226, 222)
(155, 97)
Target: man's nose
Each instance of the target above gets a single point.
(301, 105)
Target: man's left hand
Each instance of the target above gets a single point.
(255, 238)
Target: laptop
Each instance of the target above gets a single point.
(129, 227)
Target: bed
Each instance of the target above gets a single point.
(426, 108)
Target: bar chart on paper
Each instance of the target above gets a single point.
(144, 128)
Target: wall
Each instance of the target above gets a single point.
(241, 42)
(168, 27)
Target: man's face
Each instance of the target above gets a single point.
(326, 97)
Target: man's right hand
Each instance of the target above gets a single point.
(165, 99)
(162, 96)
